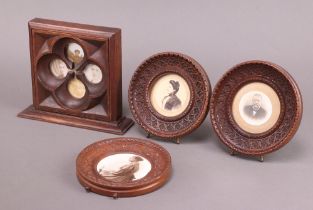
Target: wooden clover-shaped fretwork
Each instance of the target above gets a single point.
(76, 75)
(67, 68)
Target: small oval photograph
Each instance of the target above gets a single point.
(93, 73)
(256, 107)
(58, 68)
(75, 52)
(123, 167)
(76, 88)
(170, 95)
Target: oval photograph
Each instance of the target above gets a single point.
(123, 167)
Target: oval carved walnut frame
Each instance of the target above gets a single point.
(153, 70)
(113, 184)
(100, 105)
(222, 117)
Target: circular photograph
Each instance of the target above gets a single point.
(76, 88)
(93, 73)
(75, 52)
(256, 107)
(58, 68)
(123, 167)
(170, 95)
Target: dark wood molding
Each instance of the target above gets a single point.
(139, 95)
(101, 46)
(115, 127)
(285, 127)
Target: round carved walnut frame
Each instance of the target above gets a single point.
(290, 115)
(139, 95)
(87, 160)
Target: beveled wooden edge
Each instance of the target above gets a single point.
(115, 127)
(139, 187)
(48, 24)
(123, 193)
(176, 138)
(296, 124)
(299, 100)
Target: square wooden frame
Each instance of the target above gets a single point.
(112, 121)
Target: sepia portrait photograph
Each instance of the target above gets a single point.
(75, 52)
(256, 107)
(58, 68)
(123, 167)
(76, 88)
(93, 73)
(170, 95)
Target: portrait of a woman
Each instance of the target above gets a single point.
(171, 101)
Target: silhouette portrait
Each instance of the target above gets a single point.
(125, 173)
(171, 101)
(255, 110)
(170, 95)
